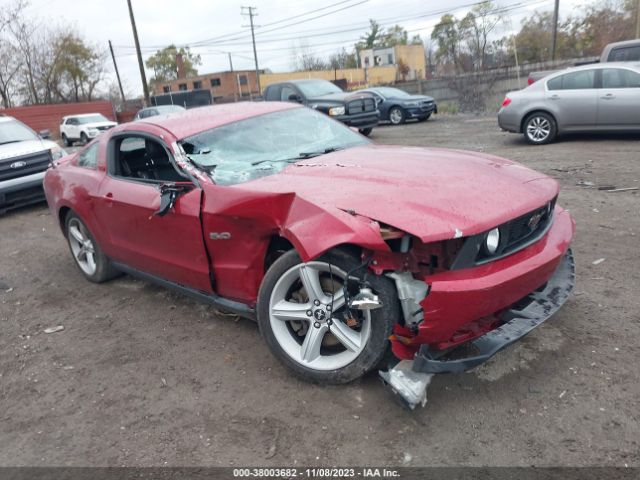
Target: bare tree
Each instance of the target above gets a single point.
(304, 59)
(476, 30)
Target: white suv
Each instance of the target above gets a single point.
(24, 157)
(83, 127)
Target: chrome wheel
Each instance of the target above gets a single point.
(307, 317)
(396, 116)
(538, 129)
(82, 247)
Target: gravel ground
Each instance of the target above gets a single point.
(141, 376)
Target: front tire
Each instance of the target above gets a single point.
(83, 138)
(397, 116)
(296, 327)
(89, 257)
(66, 141)
(540, 128)
(366, 131)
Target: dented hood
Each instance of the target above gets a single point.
(431, 193)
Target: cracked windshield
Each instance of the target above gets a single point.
(265, 145)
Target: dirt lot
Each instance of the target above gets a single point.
(141, 376)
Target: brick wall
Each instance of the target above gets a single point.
(48, 117)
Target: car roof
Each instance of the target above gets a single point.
(591, 66)
(624, 43)
(83, 115)
(306, 80)
(197, 120)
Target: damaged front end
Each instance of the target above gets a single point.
(454, 319)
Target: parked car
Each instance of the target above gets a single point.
(627, 51)
(83, 127)
(597, 97)
(24, 157)
(353, 109)
(158, 110)
(398, 106)
(338, 247)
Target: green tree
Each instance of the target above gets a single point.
(372, 38)
(164, 66)
(395, 35)
(446, 36)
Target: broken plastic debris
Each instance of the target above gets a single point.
(59, 328)
(562, 394)
(410, 386)
(458, 233)
(598, 261)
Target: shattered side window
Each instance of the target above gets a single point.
(264, 145)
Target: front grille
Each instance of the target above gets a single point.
(104, 127)
(362, 105)
(520, 232)
(29, 164)
(523, 228)
(515, 235)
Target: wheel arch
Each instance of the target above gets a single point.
(537, 110)
(63, 212)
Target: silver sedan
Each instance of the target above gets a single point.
(604, 97)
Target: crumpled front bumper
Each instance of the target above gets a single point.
(408, 380)
(520, 319)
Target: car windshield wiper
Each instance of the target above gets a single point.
(319, 152)
(301, 156)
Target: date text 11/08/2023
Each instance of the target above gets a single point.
(315, 473)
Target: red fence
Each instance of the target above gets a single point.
(48, 117)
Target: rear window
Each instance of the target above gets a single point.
(625, 54)
(573, 81)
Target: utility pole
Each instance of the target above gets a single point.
(115, 66)
(554, 39)
(637, 18)
(251, 14)
(143, 76)
(230, 61)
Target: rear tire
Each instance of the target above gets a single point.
(292, 324)
(89, 257)
(539, 128)
(366, 131)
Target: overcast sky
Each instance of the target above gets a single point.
(218, 27)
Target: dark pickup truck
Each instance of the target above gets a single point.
(353, 109)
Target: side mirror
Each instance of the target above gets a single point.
(169, 193)
(44, 134)
(294, 97)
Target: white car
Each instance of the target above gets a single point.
(83, 127)
(24, 158)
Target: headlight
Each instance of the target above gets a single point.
(57, 153)
(412, 104)
(492, 242)
(92, 130)
(336, 111)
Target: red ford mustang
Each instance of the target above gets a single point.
(341, 249)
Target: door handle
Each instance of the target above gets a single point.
(555, 97)
(109, 196)
(608, 96)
